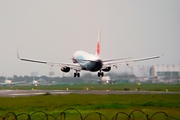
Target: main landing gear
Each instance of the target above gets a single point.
(76, 74)
(100, 74)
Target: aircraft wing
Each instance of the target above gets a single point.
(117, 63)
(2, 83)
(115, 59)
(58, 64)
(18, 82)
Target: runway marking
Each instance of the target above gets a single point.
(59, 92)
(27, 94)
(41, 93)
(18, 93)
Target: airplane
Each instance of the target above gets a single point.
(35, 83)
(9, 82)
(89, 62)
(106, 79)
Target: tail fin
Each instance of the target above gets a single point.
(6, 78)
(98, 44)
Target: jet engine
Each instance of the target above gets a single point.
(65, 69)
(106, 69)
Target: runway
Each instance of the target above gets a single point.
(18, 93)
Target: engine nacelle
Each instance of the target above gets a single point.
(65, 69)
(106, 69)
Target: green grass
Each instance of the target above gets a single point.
(108, 105)
(132, 87)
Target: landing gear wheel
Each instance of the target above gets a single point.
(74, 74)
(100, 74)
(77, 74)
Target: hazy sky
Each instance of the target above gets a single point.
(52, 30)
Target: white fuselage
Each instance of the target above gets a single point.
(106, 79)
(7, 82)
(35, 82)
(87, 61)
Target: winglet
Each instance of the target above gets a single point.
(6, 78)
(161, 55)
(18, 55)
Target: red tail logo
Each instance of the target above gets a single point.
(98, 48)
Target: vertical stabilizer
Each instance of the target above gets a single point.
(98, 44)
(6, 78)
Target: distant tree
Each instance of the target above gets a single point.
(15, 76)
(2, 78)
(45, 77)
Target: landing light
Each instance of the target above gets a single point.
(139, 83)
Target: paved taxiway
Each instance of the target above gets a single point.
(14, 93)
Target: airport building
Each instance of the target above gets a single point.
(165, 70)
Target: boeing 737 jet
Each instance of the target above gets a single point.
(90, 62)
(106, 79)
(35, 82)
(9, 82)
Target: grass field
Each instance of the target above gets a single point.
(108, 105)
